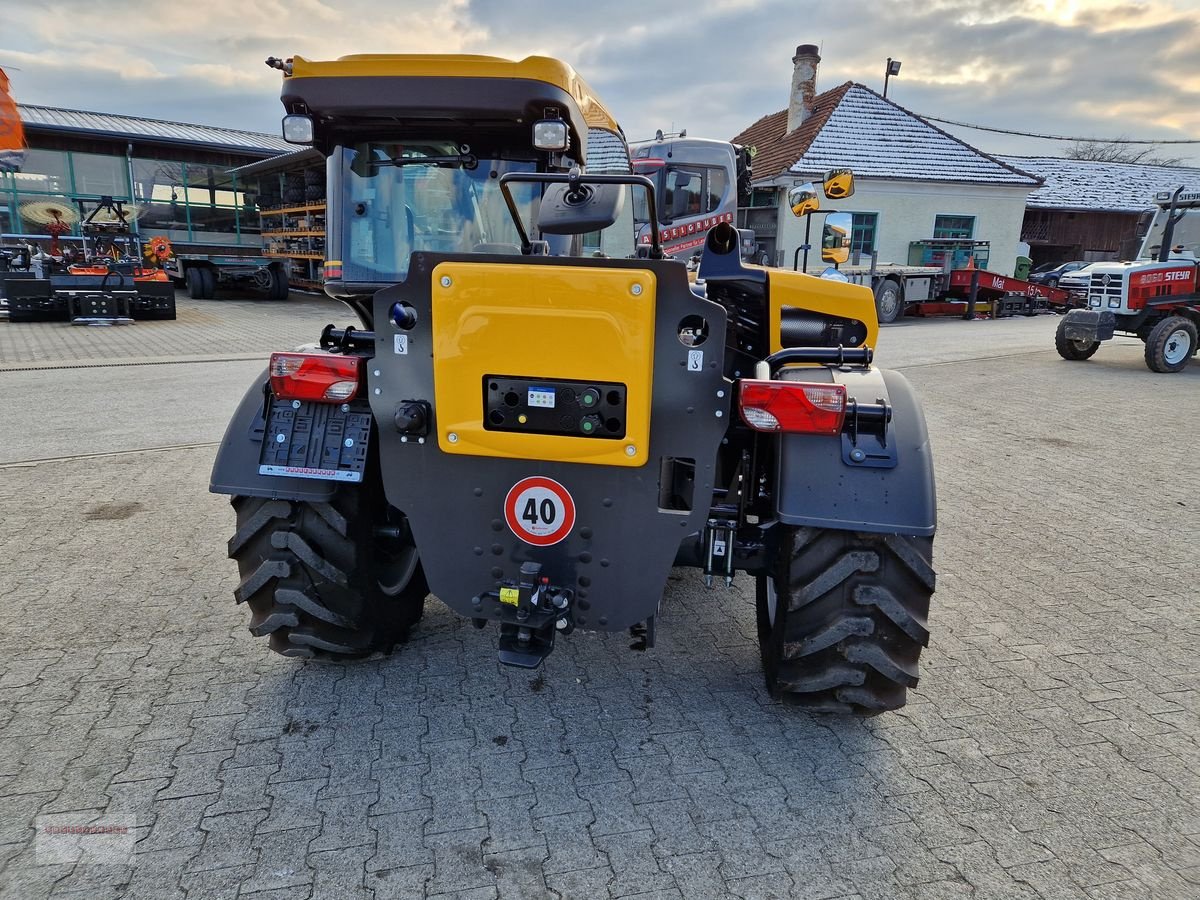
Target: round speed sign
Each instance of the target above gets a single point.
(539, 511)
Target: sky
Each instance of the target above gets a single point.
(1090, 68)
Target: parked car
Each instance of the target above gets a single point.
(1076, 282)
(1051, 273)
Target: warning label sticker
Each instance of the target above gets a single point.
(539, 510)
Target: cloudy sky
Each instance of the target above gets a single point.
(1074, 67)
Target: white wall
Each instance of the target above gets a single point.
(906, 211)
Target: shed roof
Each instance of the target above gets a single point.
(1090, 185)
(50, 119)
(852, 126)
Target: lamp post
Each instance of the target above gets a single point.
(893, 68)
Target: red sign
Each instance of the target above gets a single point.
(540, 511)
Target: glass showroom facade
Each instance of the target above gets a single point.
(189, 202)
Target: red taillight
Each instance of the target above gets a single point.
(323, 377)
(795, 406)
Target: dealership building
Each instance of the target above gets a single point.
(179, 178)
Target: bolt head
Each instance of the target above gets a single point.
(446, 282)
(857, 455)
(295, 404)
(719, 413)
(452, 438)
(720, 394)
(630, 450)
(279, 438)
(636, 290)
(349, 442)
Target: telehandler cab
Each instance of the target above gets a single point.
(538, 419)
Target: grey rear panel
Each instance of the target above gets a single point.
(621, 548)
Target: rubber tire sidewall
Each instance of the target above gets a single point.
(1156, 344)
(1069, 349)
(888, 286)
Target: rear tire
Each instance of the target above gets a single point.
(278, 289)
(195, 283)
(1171, 345)
(842, 618)
(1071, 349)
(888, 304)
(317, 579)
(206, 283)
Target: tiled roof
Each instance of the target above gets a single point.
(852, 126)
(75, 121)
(1078, 184)
(778, 151)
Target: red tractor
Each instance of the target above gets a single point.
(1156, 296)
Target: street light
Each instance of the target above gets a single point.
(893, 68)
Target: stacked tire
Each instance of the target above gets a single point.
(293, 189)
(314, 185)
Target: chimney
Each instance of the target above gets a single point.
(804, 85)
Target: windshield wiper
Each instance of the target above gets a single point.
(465, 160)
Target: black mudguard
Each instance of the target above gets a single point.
(235, 470)
(820, 486)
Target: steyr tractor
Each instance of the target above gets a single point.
(1155, 297)
(536, 432)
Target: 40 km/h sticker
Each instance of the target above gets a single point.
(539, 511)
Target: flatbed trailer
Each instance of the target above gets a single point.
(203, 273)
(933, 291)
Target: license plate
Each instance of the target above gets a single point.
(315, 440)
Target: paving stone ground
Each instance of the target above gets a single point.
(1050, 750)
(233, 325)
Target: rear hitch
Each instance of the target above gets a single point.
(531, 611)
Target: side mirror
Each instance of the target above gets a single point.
(803, 200)
(835, 238)
(581, 209)
(839, 184)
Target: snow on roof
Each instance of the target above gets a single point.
(878, 139)
(1101, 186)
(77, 121)
(852, 126)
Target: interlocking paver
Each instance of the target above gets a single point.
(1050, 750)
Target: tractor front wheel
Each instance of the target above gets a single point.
(842, 618)
(1171, 344)
(1073, 349)
(339, 579)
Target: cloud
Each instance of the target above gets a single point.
(1060, 66)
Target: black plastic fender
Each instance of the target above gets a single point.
(818, 486)
(235, 470)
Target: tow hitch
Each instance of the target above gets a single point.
(531, 612)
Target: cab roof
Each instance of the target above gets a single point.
(542, 69)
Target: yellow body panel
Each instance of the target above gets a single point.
(820, 295)
(418, 65)
(551, 322)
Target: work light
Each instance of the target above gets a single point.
(550, 134)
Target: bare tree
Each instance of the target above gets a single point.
(1105, 151)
